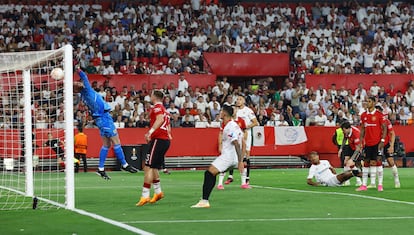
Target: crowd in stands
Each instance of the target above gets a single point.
(137, 37)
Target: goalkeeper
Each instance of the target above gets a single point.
(100, 111)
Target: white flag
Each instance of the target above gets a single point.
(290, 135)
(258, 136)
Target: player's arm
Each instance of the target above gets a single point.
(84, 79)
(254, 123)
(361, 135)
(312, 183)
(169, 132)
(391, 134)
(332, 170)
(383, 135)
(239, 155)
(220, 143)
(342, 146)
(159, 120)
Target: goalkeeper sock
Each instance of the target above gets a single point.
(146, 190)
(120, 155)
(157, 186)
(208, 185)
(373, 174)
(221, 178)
(102, 157)
(243, 176)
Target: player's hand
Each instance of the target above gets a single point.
(148, 137)
(240, 166)
(391, 150)
(340, 153)
(170, 136)
(380, 146)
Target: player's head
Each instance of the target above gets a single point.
(371, 102)
(314, 157)
(157, 96)
(80, 128)
(240, 101)
(227, 112)
(381, 109)
(78, 87)
(346, 127)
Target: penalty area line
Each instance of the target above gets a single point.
(336, 193)
(266, 220)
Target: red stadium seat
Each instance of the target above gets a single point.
(164, 60)
(155, 60)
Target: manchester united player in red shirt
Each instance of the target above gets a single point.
(389, 148)
(351, 135)
(158, 138)
(373, 133)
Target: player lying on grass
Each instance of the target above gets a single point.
(231, 155)
(325, 174)
(100, 111)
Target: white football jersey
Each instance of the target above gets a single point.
(231, 132)
(246, 114)
(321, 172)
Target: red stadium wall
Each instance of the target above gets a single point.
(203, 142)
(350, 81)
(242, 65)
(118, 81)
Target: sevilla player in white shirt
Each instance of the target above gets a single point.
(325, 174)
(231, 155)
(250, 120)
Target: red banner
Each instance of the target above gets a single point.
(118, 81)
(235, 64)
(350, 81)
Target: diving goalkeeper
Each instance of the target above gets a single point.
(100, 111)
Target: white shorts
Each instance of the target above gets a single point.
(332, 182)
(222, 164)
(249, 140)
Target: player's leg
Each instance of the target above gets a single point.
(158, 162)
(85, 164)
(106, 143)
(148, 174)
(217, 166)
(373, 173)
(247, 148)
(380, 169)
(77, 160)
(119, 153)
(220, 181)
(243, 175)
(346, 169)
(343, 177)
(393, 166)
(365, 169)
(230, 177)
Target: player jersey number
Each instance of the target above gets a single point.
(166, 122)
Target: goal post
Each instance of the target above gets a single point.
(36, 130)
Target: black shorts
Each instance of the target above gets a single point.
(156, 153)
(347, 151)
(371, 153)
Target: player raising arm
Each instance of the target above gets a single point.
(231, 155)
(158, 138)
(325, 174)
(100, 111)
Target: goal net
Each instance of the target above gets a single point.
(36, 130)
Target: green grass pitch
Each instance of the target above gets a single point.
(279, 203)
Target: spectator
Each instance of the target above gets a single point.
(187, 122)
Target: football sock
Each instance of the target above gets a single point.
(380, 171)
(365, 171)
(157, 186)
(395, 173)
(231, 171)
(373, 174)
(243, 176)
(146, 190)
(102, 157)
(120, 155)
(221, 178)
(209, 182)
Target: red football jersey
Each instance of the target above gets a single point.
(353, 137)
(162, 131)
(372, 123)
(389, 129)
(242, 124)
